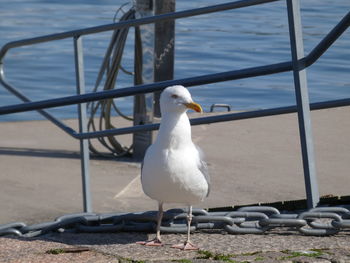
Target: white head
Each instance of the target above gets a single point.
(177, 99)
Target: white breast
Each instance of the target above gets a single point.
(172, 176)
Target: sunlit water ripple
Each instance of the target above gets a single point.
(205, 44)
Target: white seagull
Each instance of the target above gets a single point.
(173, 169)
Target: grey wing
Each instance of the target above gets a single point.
(141, 168)
(142, 163)
(203, 167)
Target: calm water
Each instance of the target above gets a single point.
(204, 44)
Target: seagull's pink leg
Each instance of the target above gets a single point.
(188, 244)
(185, 246)
(152, 243)
(157, 242)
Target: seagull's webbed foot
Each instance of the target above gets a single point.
(152, 243)
(156, 242)
(185, 246)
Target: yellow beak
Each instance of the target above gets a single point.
(194, 106)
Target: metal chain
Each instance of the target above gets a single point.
(247, 220)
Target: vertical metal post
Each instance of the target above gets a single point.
(303, 104)
(84, 145)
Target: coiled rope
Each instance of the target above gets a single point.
(101, 112)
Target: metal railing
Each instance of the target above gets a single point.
(298, 63)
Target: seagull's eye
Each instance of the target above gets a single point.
(174, 96)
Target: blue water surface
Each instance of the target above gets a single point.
(205, 44)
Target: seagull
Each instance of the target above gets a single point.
(173, 169)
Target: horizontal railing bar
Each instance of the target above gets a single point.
(130, 23)
(44, 113)
(199, 80)
(217, 118)
(328, 40)
(147, 88)
(269, 112)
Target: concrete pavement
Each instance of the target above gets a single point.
(274, 247)
(250, 161)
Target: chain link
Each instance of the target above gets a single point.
(247, 220)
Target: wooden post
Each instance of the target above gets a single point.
(144, 60)
(154, 61)
(163, 47)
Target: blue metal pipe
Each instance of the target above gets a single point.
(84, 144)
(131, 23)
(44, 113)
(217, 118)
(303, 104)
(324, 44)
(327, 41)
